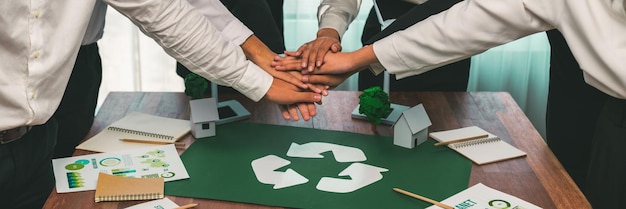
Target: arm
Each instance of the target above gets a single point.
(191, 39)
(236, 32)
(466, 29)
(224, 21)
(254, 49)
(333, 16)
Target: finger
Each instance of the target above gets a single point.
(306, 97)
(304, 111)
(284, 112)
(287, 65)
(314, 88)
(325, 80)
(292, 80)
(293, 111)
(305, 55)
(320, 57)
(335, 47)
(311, 108)
(312, 59)
(293, 54)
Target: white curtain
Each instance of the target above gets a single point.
(519, 67)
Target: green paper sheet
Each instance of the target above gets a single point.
(220, 168)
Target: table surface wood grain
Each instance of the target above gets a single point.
(538, 178)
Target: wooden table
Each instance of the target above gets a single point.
(537, 178)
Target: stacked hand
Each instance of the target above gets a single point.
(314, 68)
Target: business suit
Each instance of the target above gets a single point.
(451, 77)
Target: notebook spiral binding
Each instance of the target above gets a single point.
(476, 142)
(141, 133)
(125, 197)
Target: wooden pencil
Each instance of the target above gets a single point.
(423, 198)
(462, 140)
(178, 144)
(187, 206)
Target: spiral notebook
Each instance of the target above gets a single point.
(480, 151)
(154, 130)
(119, 188)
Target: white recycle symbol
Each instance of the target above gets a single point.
(360, 174)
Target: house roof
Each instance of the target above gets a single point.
(417, 118)
(203, 110)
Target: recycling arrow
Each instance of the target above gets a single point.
(361, 174)
(264, 169)
(313, 150)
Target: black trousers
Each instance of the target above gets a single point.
(451, 77)
(572, 111)
(75, 114)
(606, 182)
(26, 176)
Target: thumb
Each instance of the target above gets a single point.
(335, 48)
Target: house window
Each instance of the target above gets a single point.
(206, 126)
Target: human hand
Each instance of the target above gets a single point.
(335, 63)
(286, 95)
(307, 110)
(313, 52)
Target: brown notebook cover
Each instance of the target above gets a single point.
(118, 188)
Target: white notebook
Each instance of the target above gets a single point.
(480, 151)
(137, 126)
(481, 196)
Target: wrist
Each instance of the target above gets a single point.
(364, 57)
(328, 33)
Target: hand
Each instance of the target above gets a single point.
(283, 93)
(288, 63)
(319, 88)
(329, 80)
(335, 63)
(313, 52)
(257, 52)
(291, 111)
(307, 110)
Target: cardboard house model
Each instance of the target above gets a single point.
(411, 128)
(203, 117)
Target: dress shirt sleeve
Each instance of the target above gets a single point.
(466, 29)
(337, 14)
(223, 20)
(191, 39)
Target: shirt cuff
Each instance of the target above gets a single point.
(376, 68)
(335, 22)
(254, 83)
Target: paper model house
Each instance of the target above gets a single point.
(411, 128)
(203, 117)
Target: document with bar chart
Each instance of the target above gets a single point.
(80, 173)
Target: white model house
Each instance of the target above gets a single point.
(411, 128)
(203, 117)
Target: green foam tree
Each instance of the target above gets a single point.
(374, 104)
(195, 86)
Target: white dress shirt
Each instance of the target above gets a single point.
(337, 14)
(40, 40)
(225, 22)
(595, 30)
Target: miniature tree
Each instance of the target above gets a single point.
(195, 86)
(374, 103)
